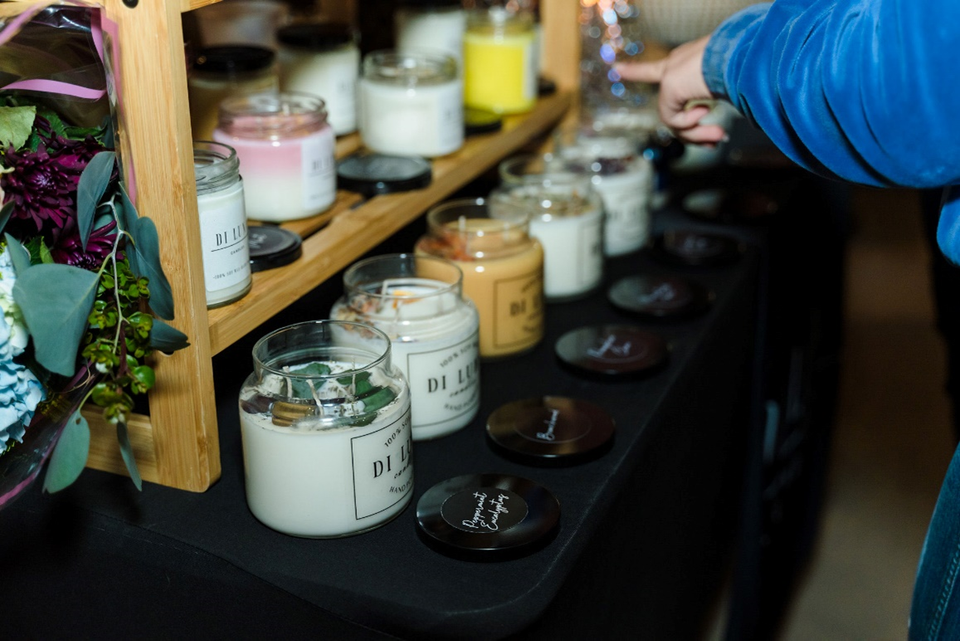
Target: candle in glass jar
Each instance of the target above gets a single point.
(502, 269)
(325, 424)
(500, 61)
(322, 59)
(286, 151)
(223, 223)
(417, 301)
(411, 104)
(566, 216)
(433, 26)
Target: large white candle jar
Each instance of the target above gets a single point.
(418, 302)
(411, 104)
(323, 59)
(566, 216)
(431, 25)
(325, 422)
(223, 223)
(623, 178)
(286, 151)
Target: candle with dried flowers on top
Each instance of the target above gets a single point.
(502, 271)
(417, 301)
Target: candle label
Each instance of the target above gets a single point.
(223, 238)
(518, 309)
(317, 165)
(382, 467)
(484, 510)
(627, 206)
(445, 383)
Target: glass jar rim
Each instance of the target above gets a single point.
(262, 365)
(508, 169)
(353, 278)
(409, 68)
(215, 166)
(272, 113)
(440, 217)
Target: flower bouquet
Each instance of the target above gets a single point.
(82, 291)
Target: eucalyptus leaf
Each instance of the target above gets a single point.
(165, 338)
(19, 255)
(147, 251)
(129, 218)
(16, 124)
(93, 184)
(5, 212)
(126, 451)
(55, 301)
(69, 455)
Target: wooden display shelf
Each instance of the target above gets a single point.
(350, 229)
(177, 445)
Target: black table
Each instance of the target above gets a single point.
(644, 544)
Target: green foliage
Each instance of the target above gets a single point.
(69, 456)
(16, 125)
(94, 181)
(126, 450)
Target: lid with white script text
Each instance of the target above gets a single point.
(487, 517)
(550, 430)
(696, 249)
(612, 352)
(659, 297)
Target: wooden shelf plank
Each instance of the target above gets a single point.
(353, 230)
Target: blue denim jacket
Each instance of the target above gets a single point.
(862, 90)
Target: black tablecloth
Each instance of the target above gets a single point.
(644, 542)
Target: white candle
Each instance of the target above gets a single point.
(434, 334)
(435, 29)
(411, 104)
(322, 60)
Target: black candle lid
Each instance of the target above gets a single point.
(698, 249)
(660, 297)
(487, 517)
(481, 121)
(316, 36)
(740, 206)
(612, 352)
(371, 174)
(272, 246)
(550, 430)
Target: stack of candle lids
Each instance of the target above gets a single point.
(612, 352)
(487, 517)
(658, 297)
(550, 430)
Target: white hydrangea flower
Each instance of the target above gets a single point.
(18, 334)
(20, 392)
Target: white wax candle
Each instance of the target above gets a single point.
(426, 120)
(435, 342)
(436, 30)
(626, 202)
(331, 75)
(315, 481)
(223, 239)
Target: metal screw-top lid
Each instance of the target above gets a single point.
(612, 352)
(371, 174)
(487, 517)
(651, 296)
(272, 247)
(316, 36)
(697, 249)
(231, 60)
(550, 430)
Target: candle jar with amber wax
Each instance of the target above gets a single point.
(500, 61)
(418, 302)
(325, 424)
(286, 151)
(620, 174)
(223, 223)
(502, 271)
(411, 104)
(566, 216)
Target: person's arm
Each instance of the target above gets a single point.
(858, 89)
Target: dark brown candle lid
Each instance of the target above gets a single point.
(612, 352)
(653, 296)
(487, 517)
(272, 246)
(550, 430)
(691, 248)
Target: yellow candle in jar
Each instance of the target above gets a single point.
(500, 62)
(502, 269)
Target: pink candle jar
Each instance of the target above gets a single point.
(286, 152)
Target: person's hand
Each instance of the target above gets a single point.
(680, 76)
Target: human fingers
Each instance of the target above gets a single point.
(709, 135)
(651, 72)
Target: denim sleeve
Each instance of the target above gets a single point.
(862, 90)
